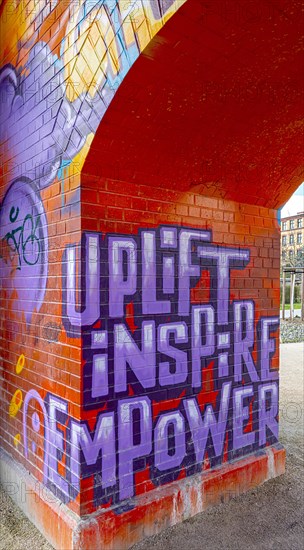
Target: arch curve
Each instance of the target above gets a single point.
(213, 104)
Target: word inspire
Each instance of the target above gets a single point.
(145, 342)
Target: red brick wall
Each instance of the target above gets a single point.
(53, 66)
(190, 146)
(117, 207)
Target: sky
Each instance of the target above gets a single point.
(295, 203)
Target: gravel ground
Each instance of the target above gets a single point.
(270, 517)
(292, 331)
(16, 531)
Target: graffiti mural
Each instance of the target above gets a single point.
(46, 99)
(132, 368)
(24, 246)
(139, 340)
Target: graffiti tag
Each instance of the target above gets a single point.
(22, 240)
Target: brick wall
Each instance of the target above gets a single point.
(139, 261)
(49, 109)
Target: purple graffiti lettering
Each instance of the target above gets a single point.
(103, 442)
(150, 304)
(121, 284)
(100, 386)
(244, 340)
(33, 394)
(223, 342)
(201, 316)
(161, 349)
(225, 259)
(268, 348)
(56, 442)
(186, 268)
(240, 414)
(168, 275)
(166, 458)
(142, 362)
(168, 237)
(180, 333)
(200, 427)
(89, 313)
(128, 450)
(223, 366)
(267, 416)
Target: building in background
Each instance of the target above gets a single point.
(292, 240)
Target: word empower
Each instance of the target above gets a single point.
(177, 438)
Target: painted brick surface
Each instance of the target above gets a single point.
(180, 386)
(139, 298)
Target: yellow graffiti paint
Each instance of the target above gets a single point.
(17, 440)
(15, 403)
(91, 47)
(20, 363)
(91, 54)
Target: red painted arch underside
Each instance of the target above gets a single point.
(214, 104)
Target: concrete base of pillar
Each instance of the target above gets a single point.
(150, 514)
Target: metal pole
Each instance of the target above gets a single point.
(293, 279)
(302, 298)
(283, 295)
